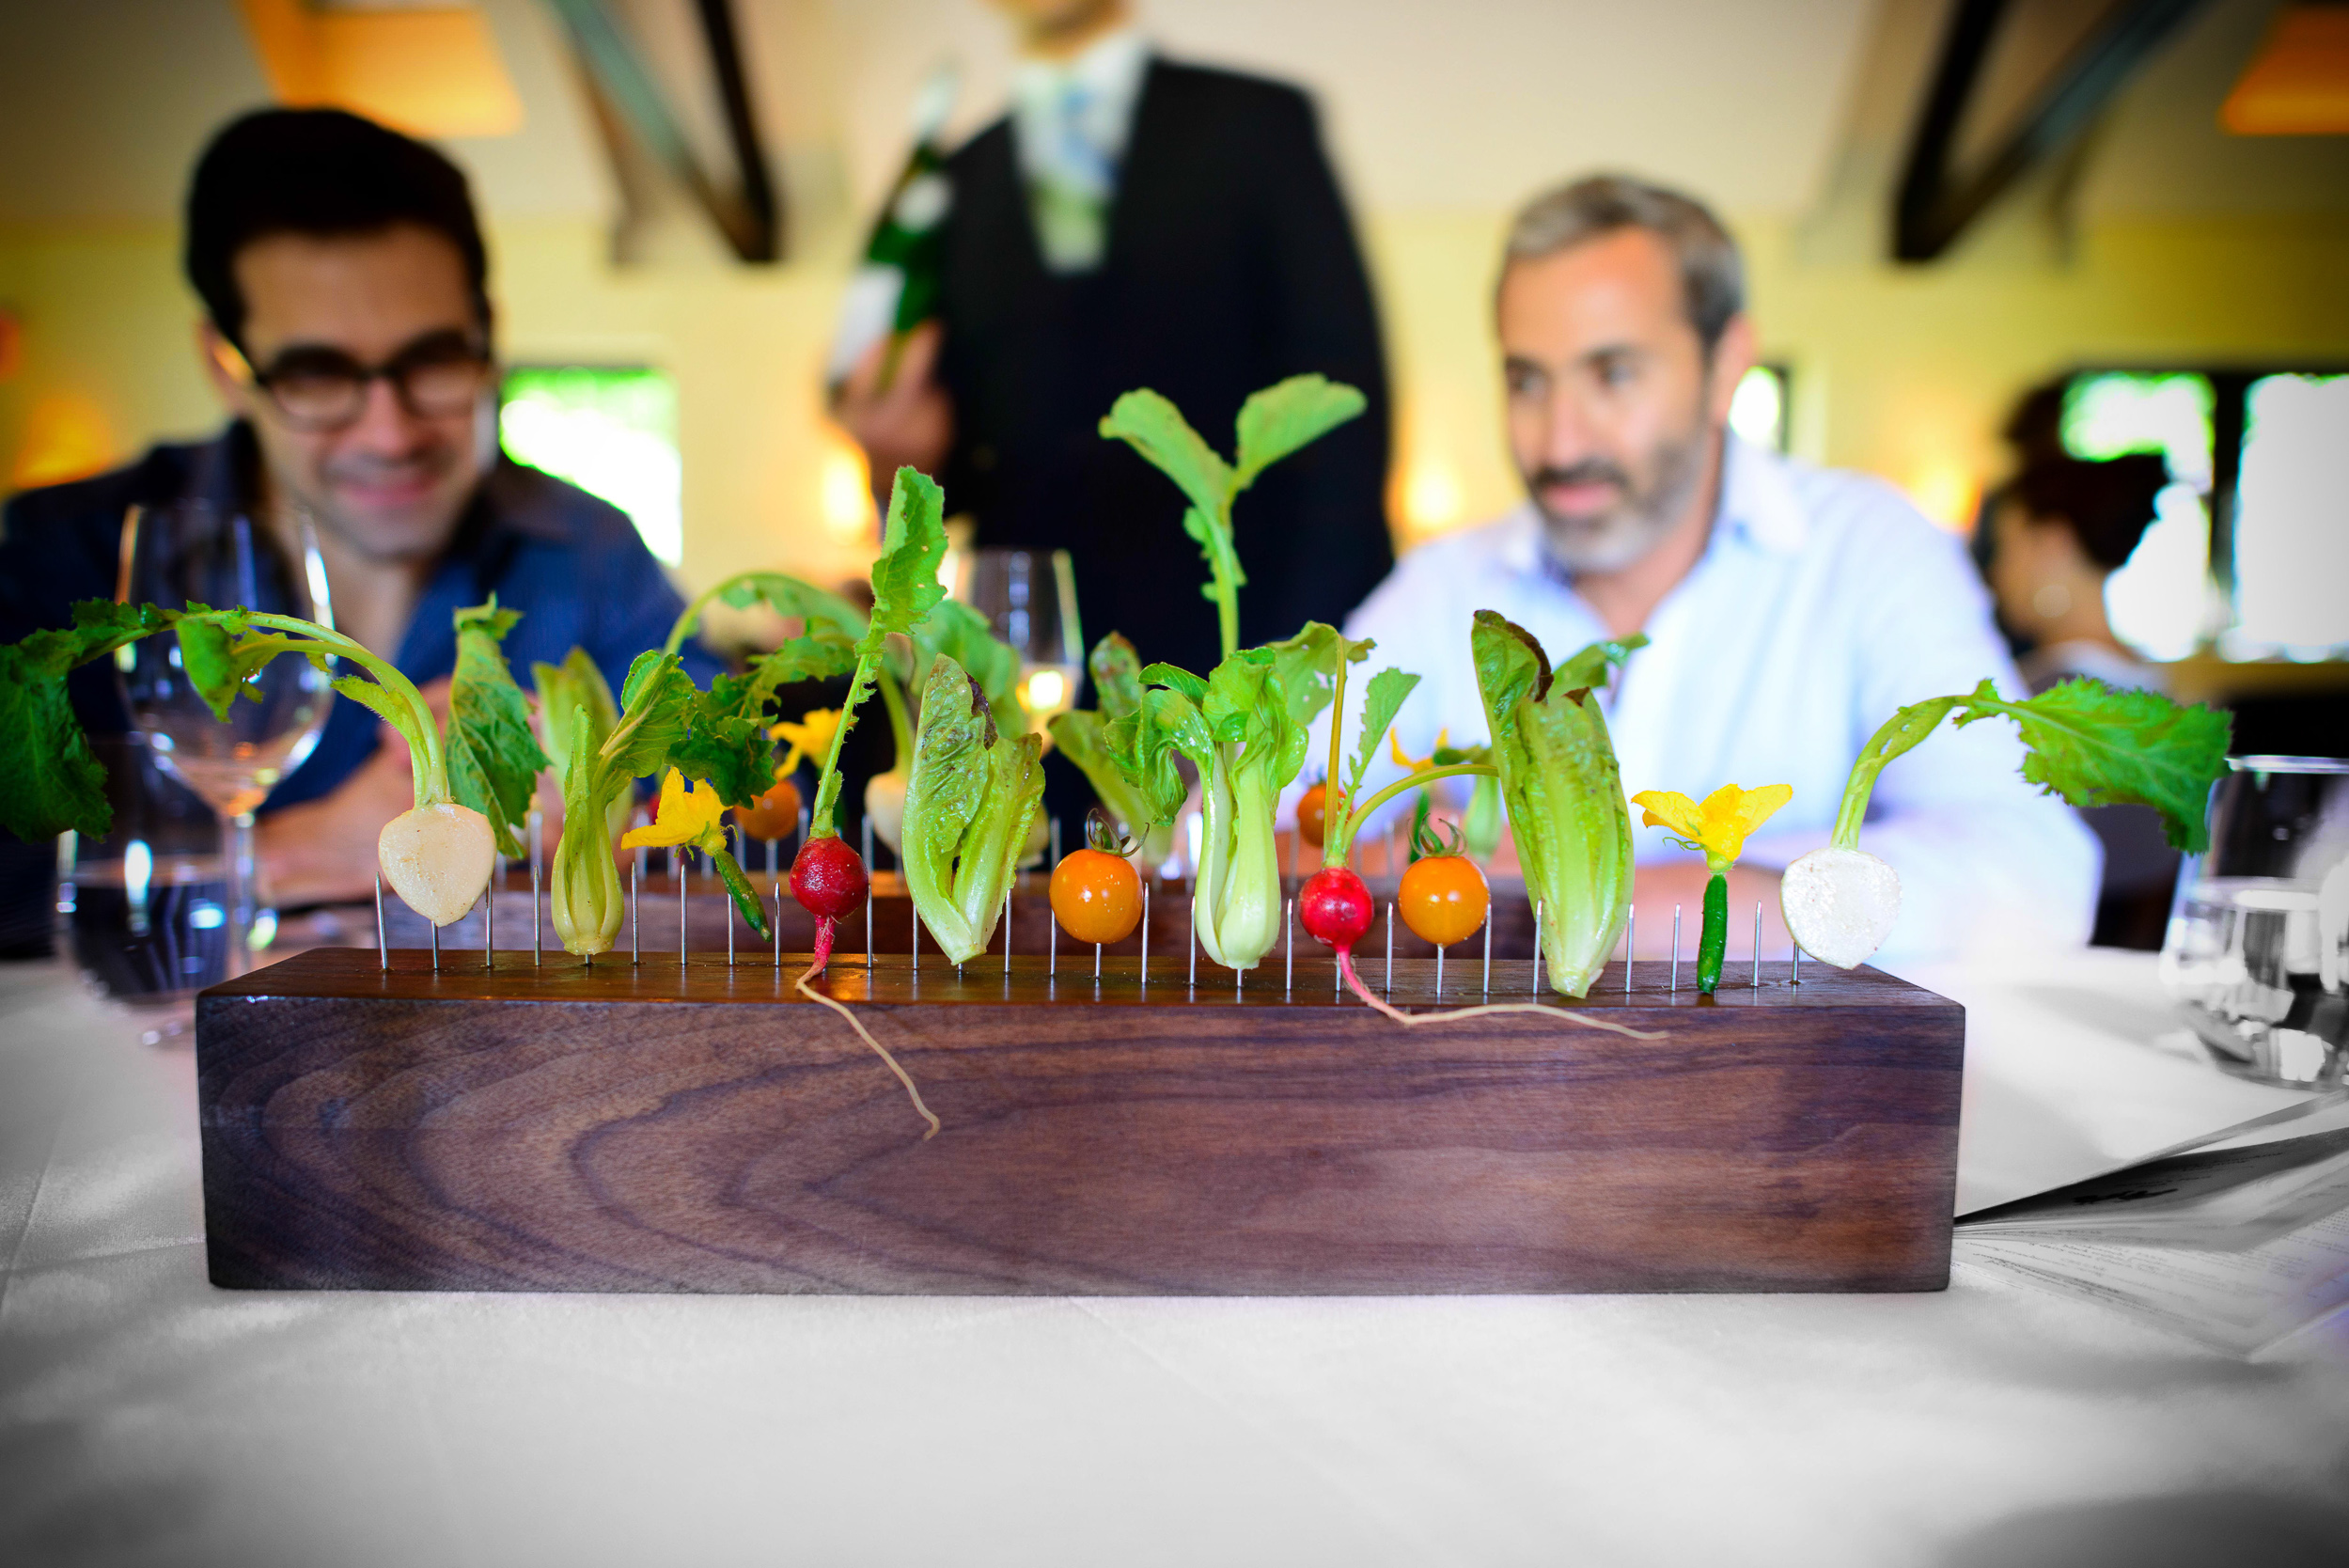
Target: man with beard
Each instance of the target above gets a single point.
(1789, 609)
(348, 330)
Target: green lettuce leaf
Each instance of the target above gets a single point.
(1562, 791)
(2095, 746)
(1287, 416)
(968, 804)
(905, 588)
(494, 759)
(50, 779)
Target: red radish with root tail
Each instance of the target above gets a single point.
(1334, 904)
(828, 879)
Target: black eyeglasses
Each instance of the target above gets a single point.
(317, 389)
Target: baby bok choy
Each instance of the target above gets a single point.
(2084, 741)
(1243, 728)
(1562, 791)
(972, 794)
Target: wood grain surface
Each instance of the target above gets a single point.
(696, 1128)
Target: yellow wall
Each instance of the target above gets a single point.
(1905, 373)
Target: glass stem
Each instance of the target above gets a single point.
(240, 912)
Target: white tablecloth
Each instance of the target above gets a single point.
(145, 1418)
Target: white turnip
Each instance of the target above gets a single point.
(1840, 905)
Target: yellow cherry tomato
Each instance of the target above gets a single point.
(1444, 899)
(1097, 897)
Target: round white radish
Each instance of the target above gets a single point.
(1840, 905)
(884, 808)
(437, 858)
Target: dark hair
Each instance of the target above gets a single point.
(1712, 276)
(2107, 505)
(318, 172)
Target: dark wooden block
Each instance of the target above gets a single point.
(700, 1128)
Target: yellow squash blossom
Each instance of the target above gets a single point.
(810, 737)
(1411, 764)
(688, 814)
(1717, 827)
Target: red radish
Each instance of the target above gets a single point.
(1336, 910)
(828, 879)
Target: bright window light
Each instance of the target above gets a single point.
(2159, 601)
(2292, 517)
(612, 432)
(1758, 407)
(2111, 415)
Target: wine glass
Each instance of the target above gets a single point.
(1030, 600)
(2258, 951)
(185, 551)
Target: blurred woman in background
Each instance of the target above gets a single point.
(2059, 530)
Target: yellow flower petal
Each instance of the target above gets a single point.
(688, 814)
(1414, 764)
(810, 737)
(1720, 825)
(1668, 809)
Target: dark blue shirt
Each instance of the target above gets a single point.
(574, 565)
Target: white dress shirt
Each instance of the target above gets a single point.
(1823, 601)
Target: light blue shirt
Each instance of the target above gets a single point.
(1823, 601)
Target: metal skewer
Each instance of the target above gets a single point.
(915, 961)
(436, 945)
(866, 835)
(684, 871)
(1488, 952)
(869, 916)
(1006, 934)
(536, 946)
(1194, 981)
(1146, 931)
(489, 920)
(1439, 971)
(1631, 945)
(1756, 944)
(1096, 963)
(1052, 950)
(1676, 949)
(779, 922)
(1798, 966)
(730, 916)
(1389, 984)
(636, 951)
(1537, 950)
(1288, 934)
(382, 949)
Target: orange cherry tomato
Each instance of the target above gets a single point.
(1444, 899)
(1097, 896)
(1313, 814)
(774, 815)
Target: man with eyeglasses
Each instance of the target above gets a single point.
(348, 330)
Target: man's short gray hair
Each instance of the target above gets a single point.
(1712, 276)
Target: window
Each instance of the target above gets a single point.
(2251, 539)
(1759, 407)
(610, 431)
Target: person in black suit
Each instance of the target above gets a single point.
(1134, 222)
